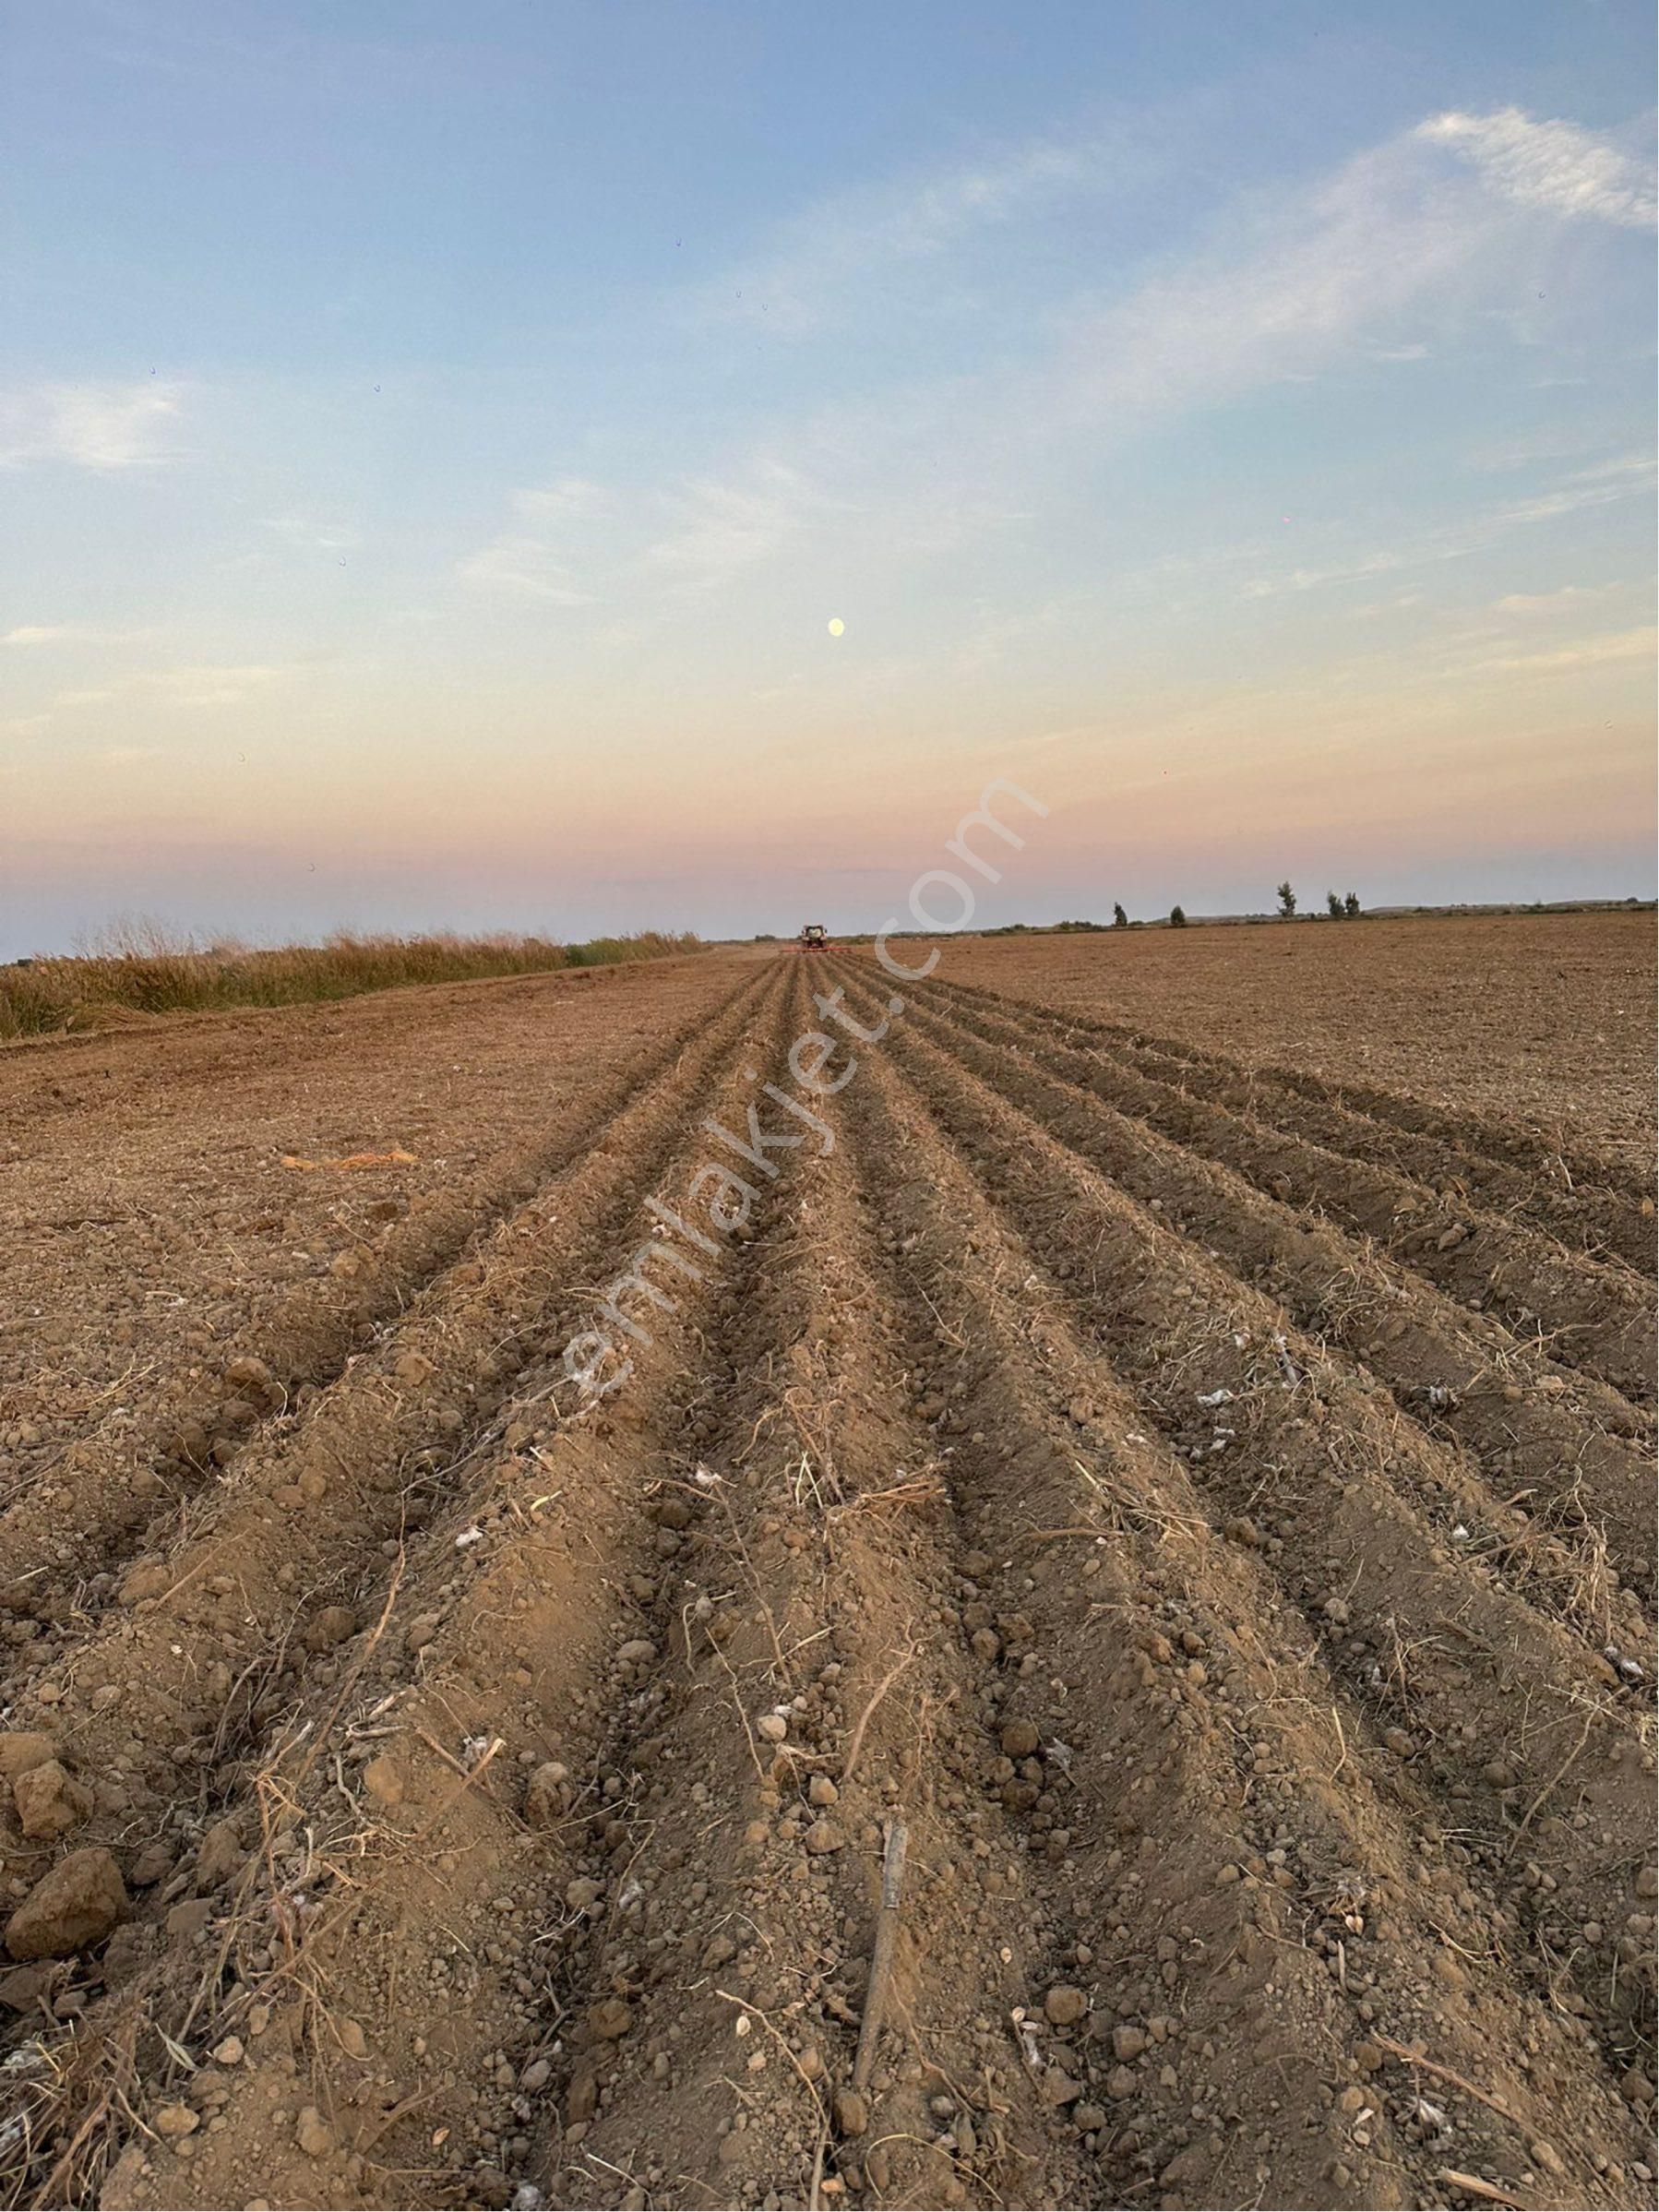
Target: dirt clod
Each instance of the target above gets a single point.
(50, 1800)
(74, 1906)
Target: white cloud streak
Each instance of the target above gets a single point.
(1553, 166)
(101, 427)
(1630, 645)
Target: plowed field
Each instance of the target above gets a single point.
(604, 1610)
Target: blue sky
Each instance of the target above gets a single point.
(437, 441)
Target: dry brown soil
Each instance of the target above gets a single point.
(1171, 1445)
(1548, 1014)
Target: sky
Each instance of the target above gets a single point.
(653, 463)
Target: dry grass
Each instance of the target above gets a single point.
(140, 968)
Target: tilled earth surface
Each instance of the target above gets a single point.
(486, 1608)
(1550, 1014)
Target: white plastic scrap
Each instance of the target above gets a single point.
(1215, 1397)
(469, 1536)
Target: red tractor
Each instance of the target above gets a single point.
(814, 938)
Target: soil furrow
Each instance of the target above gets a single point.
(1581, 1202)
(819, 1703)
(116, 1488)
(1541, 1438)
(985, 1460)
(1545, 1150)
(1203, 1781)
(1588, 1314)
(459, 1685)
(196, 1649)
(1427, 1642)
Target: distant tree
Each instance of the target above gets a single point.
(1177, 917)
(1351, 906)
(1287, 902)
(1119, 920)
(1334, 906)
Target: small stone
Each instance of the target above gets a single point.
(544, 1795)
(1647, 1882)
(1398, 1743)
(610, 2019)
(1056, 2086)
(247, 1373)
(333, 1625)
(153, 1864)
(21, 1749)
(1547, 2156)
(1120, 2082)
(639, 1651)
(229, 2052)
(823, 1836)
(1088, 2117)
(1065, 2005)
(536, 2075)
(581, 2099)
(75, 1905)
(821, 1790)
(219, 1854)
(313, 2133)
(851, 2112)
(1368, 2056)
(420, 1631)
(1019, 1740)
(187, 1920)
(1128, 2042)
(382, 1778)
(22, 1988)
(583, 1892)
(771, 1727)
(50, 1802)
(176, 2120)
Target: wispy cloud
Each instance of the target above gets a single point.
(1367, 267)
(197, 687)
(103, 427)
(315, 535)
(1601, 485)
(1585, 652)
(568, 498)
(523, 566)
(1551, 165)
(818, 261)
(1527, 605)
(67, 633)
(718, 527)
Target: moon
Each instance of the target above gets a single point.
(836, 625)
